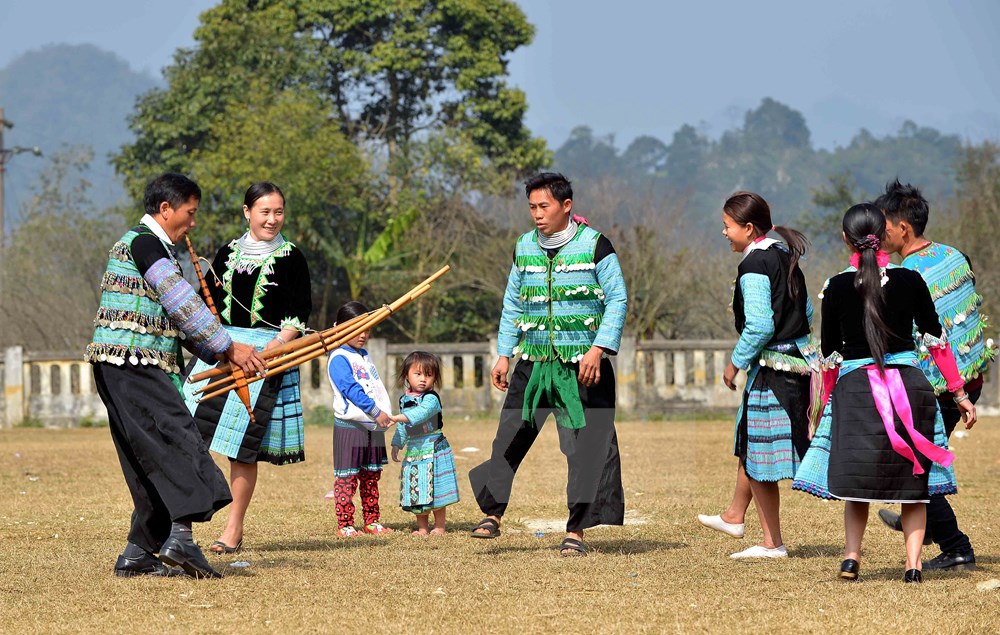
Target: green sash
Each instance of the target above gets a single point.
(555, 381)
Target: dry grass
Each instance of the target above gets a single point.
(64, 513)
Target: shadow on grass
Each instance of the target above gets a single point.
(622, 547)
(330, 544)
(817, 551)
(895, 574)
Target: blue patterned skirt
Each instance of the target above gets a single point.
(813, 475)
(427, 478)
(772, 426)
(276, 436)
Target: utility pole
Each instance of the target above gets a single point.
(5, 155)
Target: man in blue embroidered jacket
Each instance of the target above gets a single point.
(563, 314)
(147, 309)
(952, 283)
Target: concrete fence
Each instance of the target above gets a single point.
(655, 378)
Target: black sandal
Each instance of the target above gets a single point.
(490, 524)
(221, 548)
(572, 548)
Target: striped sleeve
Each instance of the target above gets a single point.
(508, 334)
(759, 328)
(187, 312)
(609, 276)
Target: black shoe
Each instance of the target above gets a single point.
(894, 521)
(146, 564)
(953, 562)
(187, 556)
(912, 575)
(849, 570)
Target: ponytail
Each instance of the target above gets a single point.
(864, 224)
(797, 245)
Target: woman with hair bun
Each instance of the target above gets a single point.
(260, 285)
(773, 314)
(881, 437)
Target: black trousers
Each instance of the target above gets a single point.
(594, 490)
(941, 522)
(167, 467)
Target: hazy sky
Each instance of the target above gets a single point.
(634, 67)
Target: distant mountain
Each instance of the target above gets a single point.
(68, 95)
(771, 153)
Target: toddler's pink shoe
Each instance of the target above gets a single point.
(377, 528)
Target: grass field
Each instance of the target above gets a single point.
(64, 512)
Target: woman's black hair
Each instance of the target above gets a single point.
(750, 207)
(260, 190)
(350, 311)
(864, 228)
(429, 362)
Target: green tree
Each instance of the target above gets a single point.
(388, 71)
(974, 213)
(824, 224)
(385, 109)
(54, 259)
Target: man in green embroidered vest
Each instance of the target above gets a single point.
(952, 283)
(147, 310)
(563, 314)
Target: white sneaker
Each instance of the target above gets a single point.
(716, 523)
(758, 551)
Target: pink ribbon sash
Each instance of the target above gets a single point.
(889, 392)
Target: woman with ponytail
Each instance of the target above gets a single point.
(773, 314)
(881, 437)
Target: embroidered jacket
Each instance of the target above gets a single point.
(952, 285)
(561, 306)
(147, 307)
(424, 413)
(773, 326)
(272, 290)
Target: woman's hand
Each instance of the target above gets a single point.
(729, 376)
(383, 420)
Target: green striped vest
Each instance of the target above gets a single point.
(562, 300)
(130, 324)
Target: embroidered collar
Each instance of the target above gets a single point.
(558, 239)
(881, 256)
(258, 248)
(761, 242)
(151, 223)
(923, 247)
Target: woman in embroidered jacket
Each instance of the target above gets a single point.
(773, 314)
(874, 442)
(260, 285)
(147, 311)
(563, 313)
